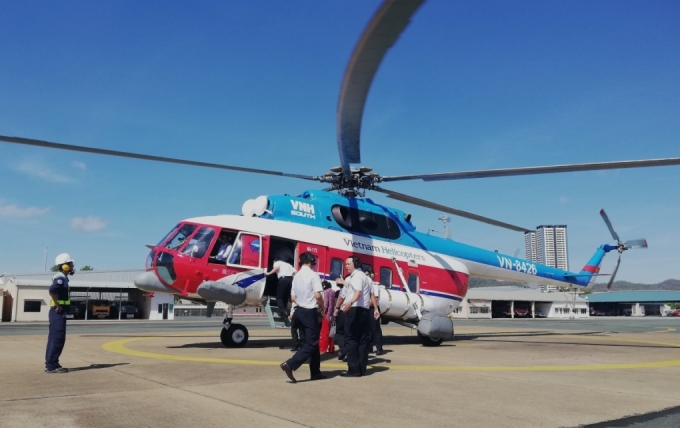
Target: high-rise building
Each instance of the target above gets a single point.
(548, 246)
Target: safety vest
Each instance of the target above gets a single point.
(63, 293)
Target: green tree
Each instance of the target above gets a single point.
(86, 267)
(54, 268)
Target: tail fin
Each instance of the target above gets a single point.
(592, 268)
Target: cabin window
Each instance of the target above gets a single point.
(199, 243)
(365, 222)
(222, 247)
(246, 251)
(386, 277)
(337, 266)
(180, 236)
(413, 282)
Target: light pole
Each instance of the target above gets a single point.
(445, 219)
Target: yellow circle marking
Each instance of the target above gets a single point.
(118, 346)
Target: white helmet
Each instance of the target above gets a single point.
(62, 259)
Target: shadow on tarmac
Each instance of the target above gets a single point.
(95, 367)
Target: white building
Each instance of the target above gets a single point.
(517, 302)
(26, 297)
(547, 246)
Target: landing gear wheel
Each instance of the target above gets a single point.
(236, 336)
(427, 341)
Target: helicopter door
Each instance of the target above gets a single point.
(319, 252)
(247, 251)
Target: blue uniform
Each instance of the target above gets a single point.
(57, 336)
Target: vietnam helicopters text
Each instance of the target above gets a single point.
(424, 277)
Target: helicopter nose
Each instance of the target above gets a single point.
(148, 281)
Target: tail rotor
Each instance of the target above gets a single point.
(620, 245)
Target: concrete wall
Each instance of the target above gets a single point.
(564, 310)
(151, 310)
(482, 309)
(23, 294)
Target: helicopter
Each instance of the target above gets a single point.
(423, 278)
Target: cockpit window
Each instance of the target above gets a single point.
(172, 232)
(199, 243)
(178, 239)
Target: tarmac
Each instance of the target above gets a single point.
(530, 373)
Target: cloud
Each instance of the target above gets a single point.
(564, 200)
(87, 224)
(16, 211)
(42, 171)
(79, 165)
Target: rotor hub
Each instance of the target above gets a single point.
(353, 184)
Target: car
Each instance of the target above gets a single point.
(675, 313)
(522, 312)
(540, 314)
(72, 311)
(99, 308)
(127, 310)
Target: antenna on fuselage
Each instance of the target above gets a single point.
(445, 219)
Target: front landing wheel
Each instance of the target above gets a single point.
(427, 341)
(236, 336)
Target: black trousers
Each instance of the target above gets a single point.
(297, 332)
(340, 332)
(376, 330)
(56, 338)
(357, 339)
(283, 295)
(309, 318)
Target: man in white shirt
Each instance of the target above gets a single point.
(358, 298)
(225, 248)
(306, 293)
(284, 271)
(376, 329)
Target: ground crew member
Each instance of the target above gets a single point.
(357, 319)
(59, 302)
(306, 294)
(284, 272)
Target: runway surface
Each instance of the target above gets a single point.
(599, 372)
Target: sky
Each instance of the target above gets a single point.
(468, 85)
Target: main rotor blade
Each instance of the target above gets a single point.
(47, 144)
(605, 217)
(636, 243)
(427, 204)
(380, 34)
(532, 170)
(616, 269)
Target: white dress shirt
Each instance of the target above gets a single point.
(285, 269)
(358, 281)
(305, 283)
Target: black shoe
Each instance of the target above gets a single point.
(295, 348)
(350, 374)
(342, 356)
(381, 352)
(318, 376)
(57, 370)
(344, 359)
(289, 372)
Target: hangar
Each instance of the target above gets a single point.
(95, 294)
(638, 303)
(518, 302)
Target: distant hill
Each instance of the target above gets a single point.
(669, 284)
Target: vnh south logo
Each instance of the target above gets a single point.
(302, 209)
